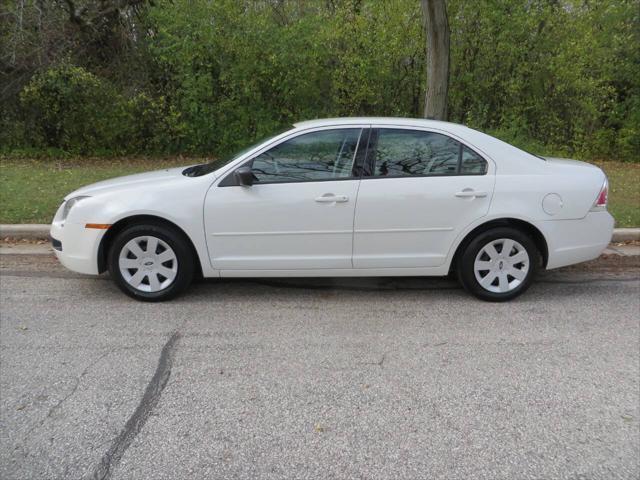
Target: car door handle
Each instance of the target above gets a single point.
(331, 198)
(467, 192)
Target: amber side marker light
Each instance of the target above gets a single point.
(99, 226)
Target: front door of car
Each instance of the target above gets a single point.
(420, 190)
(297, 214)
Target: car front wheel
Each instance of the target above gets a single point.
(151, 262)
(499, 264)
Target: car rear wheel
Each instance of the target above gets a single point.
(151, 262)
(499, 264)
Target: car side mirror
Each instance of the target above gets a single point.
(244, 176)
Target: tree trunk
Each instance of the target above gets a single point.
(437, 29)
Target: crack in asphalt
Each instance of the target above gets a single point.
(76, 385)
(150, 399)
(73, 390)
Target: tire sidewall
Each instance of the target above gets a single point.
(466, 272)
(177, 243)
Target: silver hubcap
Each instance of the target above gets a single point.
(148, 264)
(501, 265)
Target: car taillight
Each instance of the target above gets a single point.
(601, 201)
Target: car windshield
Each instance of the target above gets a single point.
(205, 168)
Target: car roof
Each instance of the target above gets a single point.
(397, 121)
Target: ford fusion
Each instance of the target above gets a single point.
(343, 197)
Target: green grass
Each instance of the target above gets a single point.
(624, 192)
(31, 190)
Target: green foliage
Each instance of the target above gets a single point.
(240, 72)
(150, 125)
(198, 76)
(71, 109)
(561, 75)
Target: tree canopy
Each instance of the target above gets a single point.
(202, 76)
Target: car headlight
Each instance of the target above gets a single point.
(68, 205)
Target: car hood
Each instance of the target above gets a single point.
(137, 180)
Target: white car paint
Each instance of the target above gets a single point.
(376, 226)
(422, 218)
(281, 226)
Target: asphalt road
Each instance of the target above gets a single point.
(354, 378)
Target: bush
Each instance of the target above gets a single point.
(71, 109)
(151, 125)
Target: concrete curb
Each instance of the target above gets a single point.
(38, 231)
(625, 235)
(31, 231)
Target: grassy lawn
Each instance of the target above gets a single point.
(32, 190)
(624, 192)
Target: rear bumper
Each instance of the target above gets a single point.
(76, 246)
(575, 241)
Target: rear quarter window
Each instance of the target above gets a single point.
(471, 163)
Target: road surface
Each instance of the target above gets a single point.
(351, 378)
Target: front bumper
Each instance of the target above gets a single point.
(575, 241)
(55, 243)
(76, 246)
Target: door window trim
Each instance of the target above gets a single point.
(229, 180)
(369, 167)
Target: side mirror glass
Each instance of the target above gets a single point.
(244, 176)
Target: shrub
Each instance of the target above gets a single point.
(151, 125)
(69, 108)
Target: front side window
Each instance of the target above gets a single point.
(414, 153)
(323, 155)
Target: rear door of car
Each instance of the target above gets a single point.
(419, 190)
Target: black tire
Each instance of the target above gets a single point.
(466, 262)
(175, 240)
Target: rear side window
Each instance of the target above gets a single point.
(414, 153)
(316, 156)
(471, 163)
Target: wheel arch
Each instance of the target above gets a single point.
(120, 225)
(522, 225)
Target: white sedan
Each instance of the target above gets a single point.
(343, 197)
